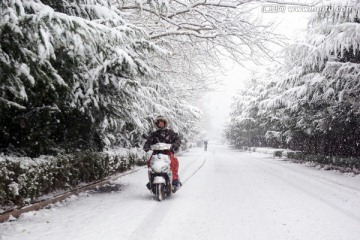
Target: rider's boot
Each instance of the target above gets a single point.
(176, 185)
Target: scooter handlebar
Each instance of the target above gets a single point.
(161, 146)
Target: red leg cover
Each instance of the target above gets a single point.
(174, 166)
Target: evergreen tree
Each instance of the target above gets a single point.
(73, 76)
(314, 98)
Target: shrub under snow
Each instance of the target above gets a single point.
(24, 179)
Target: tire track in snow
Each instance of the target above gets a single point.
(156, 217)
(187, 179)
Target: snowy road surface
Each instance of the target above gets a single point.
(235, 195)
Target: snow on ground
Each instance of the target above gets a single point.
(235, 195)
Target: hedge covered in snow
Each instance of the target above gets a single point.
(24, 179)
(347, 162)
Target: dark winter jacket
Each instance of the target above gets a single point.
(163, 136)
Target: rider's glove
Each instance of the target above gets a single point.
(172, 149)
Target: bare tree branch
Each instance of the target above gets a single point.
(199, 33)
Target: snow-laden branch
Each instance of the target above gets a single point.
(187, 33)
(186, 7)
(227, 24)
(11, 103)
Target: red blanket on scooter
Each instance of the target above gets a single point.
(174, 164)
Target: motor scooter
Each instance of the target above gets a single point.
(160, 174)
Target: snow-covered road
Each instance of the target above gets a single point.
(234, 195)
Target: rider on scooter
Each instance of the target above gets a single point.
(165, 135)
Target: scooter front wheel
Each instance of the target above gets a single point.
(159, 192)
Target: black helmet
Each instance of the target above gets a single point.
(159, 119)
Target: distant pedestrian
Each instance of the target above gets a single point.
(205, 145)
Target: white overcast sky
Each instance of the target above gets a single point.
(217, 104)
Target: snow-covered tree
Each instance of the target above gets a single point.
(74, 74)
(250, 124)
(316, 94)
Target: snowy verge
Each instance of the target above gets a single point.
(318, 161)
(52, 199)
(25, 180)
